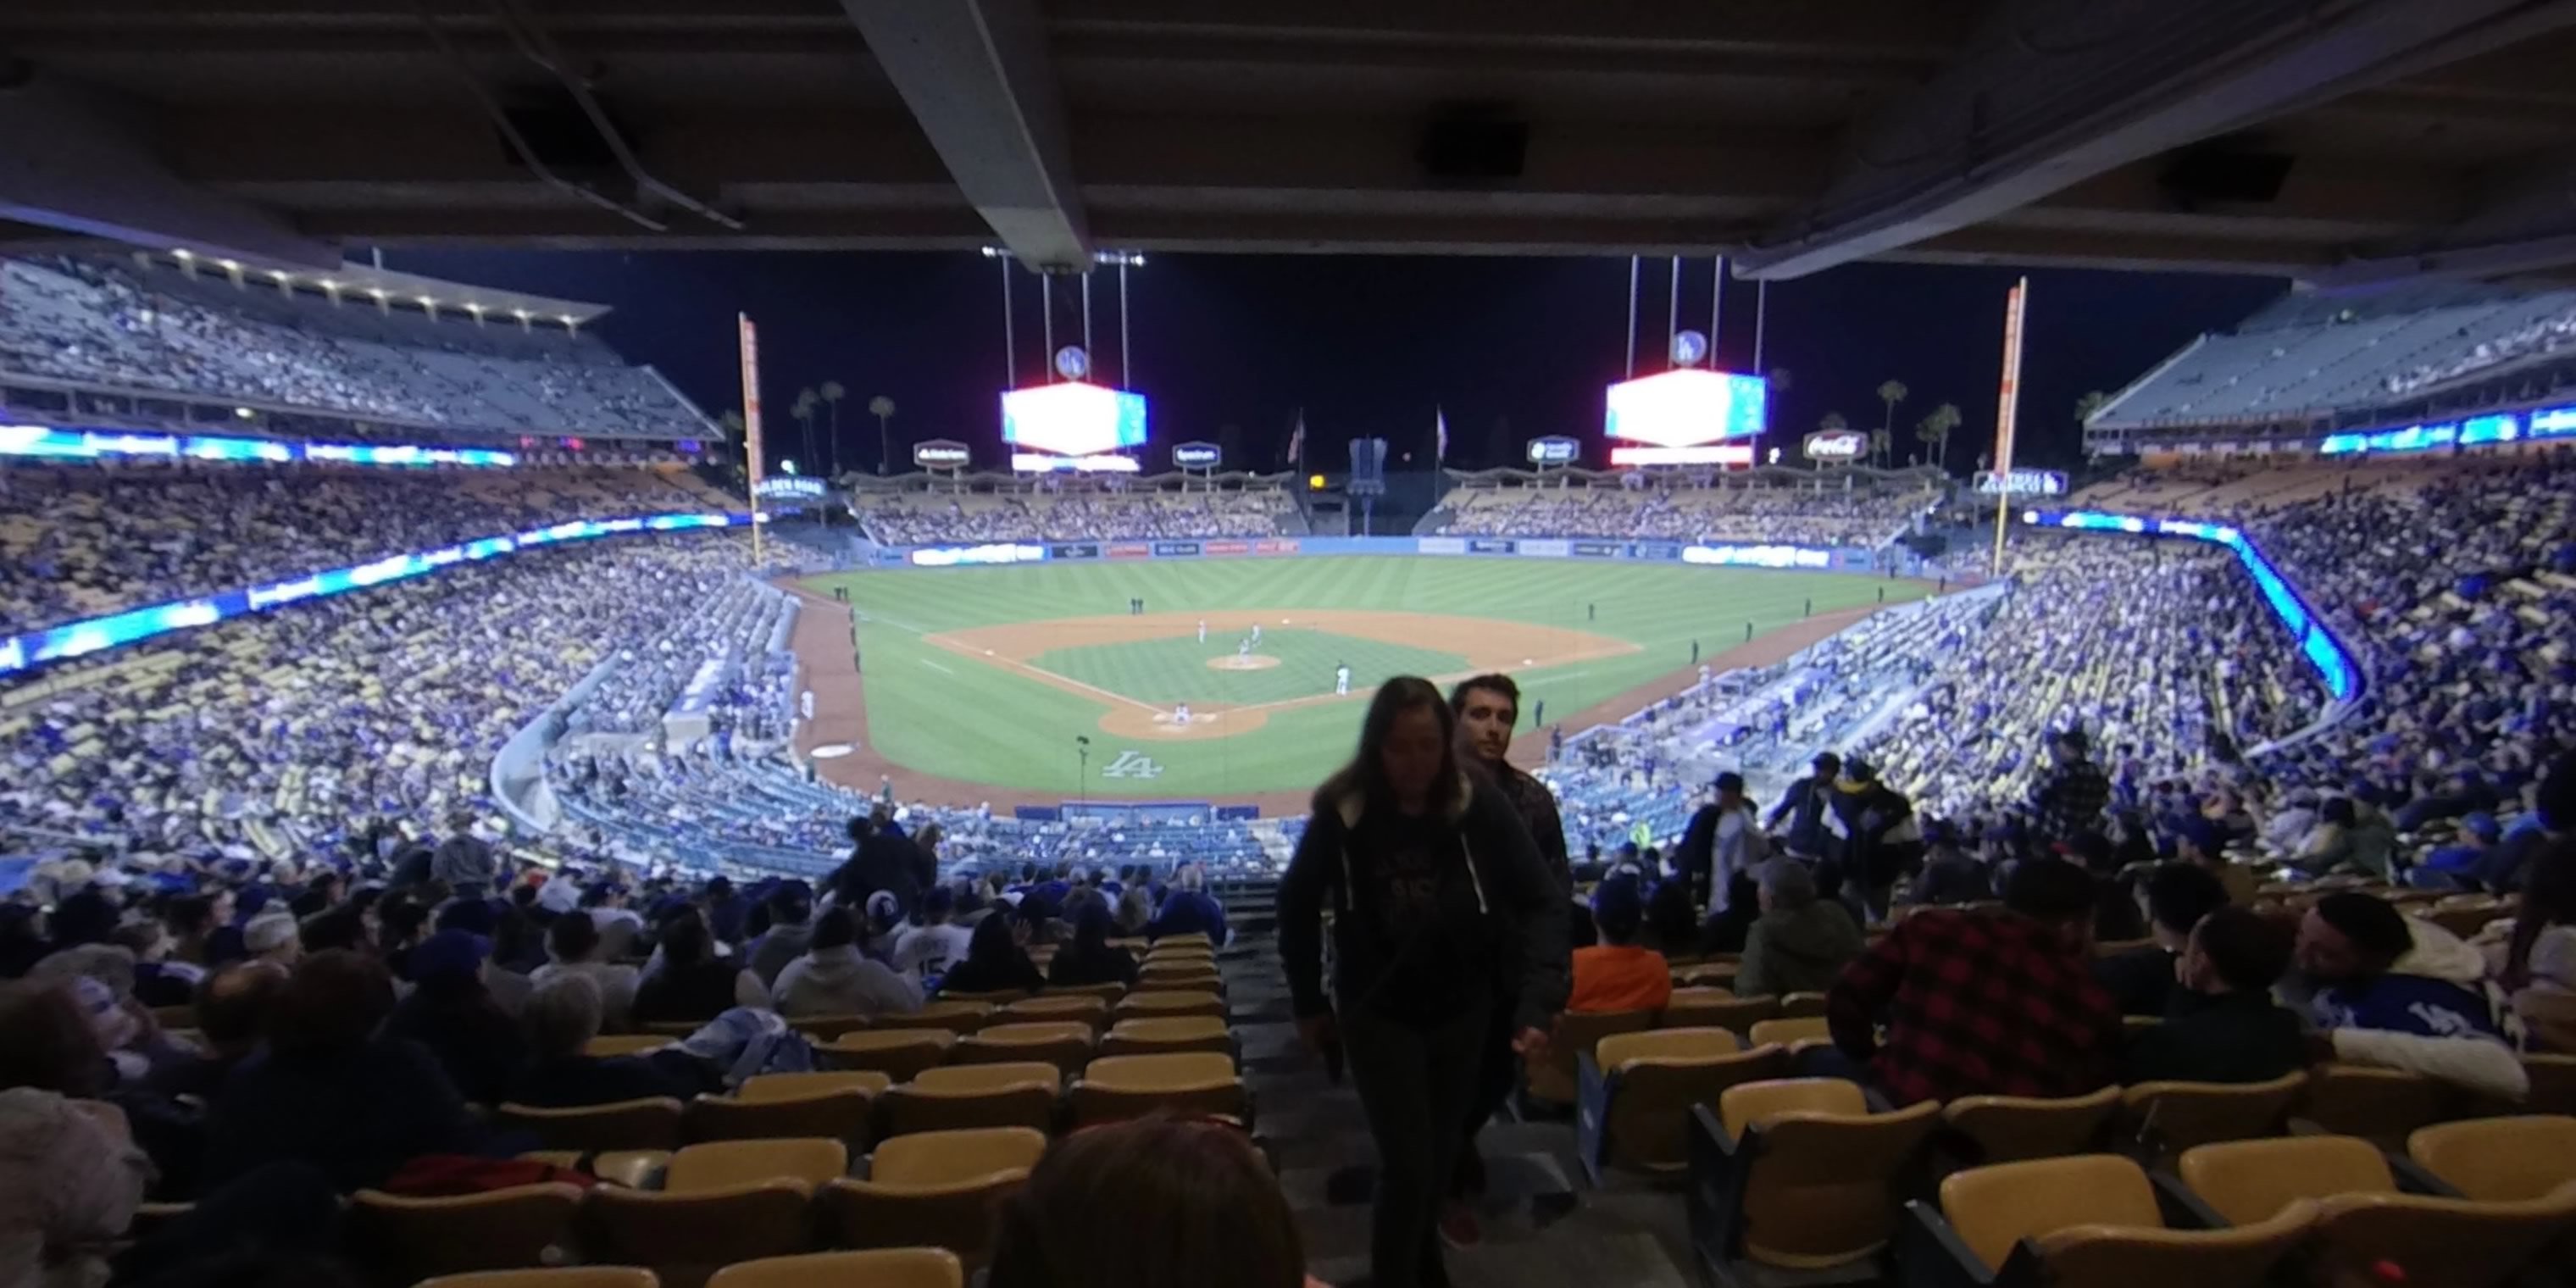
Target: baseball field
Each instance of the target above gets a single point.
(1039, 681)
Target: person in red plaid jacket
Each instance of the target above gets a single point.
(1984, 1003)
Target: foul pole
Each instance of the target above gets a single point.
(750, 344)
(2015, 301)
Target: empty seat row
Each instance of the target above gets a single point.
(856, 1106)
(954, 1016)
(878, 1268)
(1552, 1076)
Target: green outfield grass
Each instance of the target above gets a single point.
(936, 711)
(1169, 671)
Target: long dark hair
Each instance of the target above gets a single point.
(990, 943)
(1366, 772)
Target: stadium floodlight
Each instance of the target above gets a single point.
(521, 314)
(230, 265)
(475, 309)
(244, 412)
(331, 284)
(277, 275)
(183, 252)
(426, 302)
(564, 318)
(377, 291)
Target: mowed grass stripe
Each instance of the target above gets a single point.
(1168, 671)
(990, 725)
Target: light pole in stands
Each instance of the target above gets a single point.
(1082, 766)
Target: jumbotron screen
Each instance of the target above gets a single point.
(1073, 418)
(1680, 414)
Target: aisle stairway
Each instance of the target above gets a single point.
(1542, 1226)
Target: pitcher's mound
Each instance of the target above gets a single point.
(1243, 662)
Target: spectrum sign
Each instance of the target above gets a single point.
(1687, 407)
(1073, 418)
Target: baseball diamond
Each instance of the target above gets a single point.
(975, 683)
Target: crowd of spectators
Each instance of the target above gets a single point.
(159, 330)
(2538, 336)
(931, 518)
(1822, 515)
(84, 540)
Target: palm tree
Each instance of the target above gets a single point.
(803, 411)
(882, 408)
(1881, 442)
(832, 393)
(1890, 393)
(2090, 403)
(1935, 429)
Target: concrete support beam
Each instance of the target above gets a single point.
(2525, 223)
(2052, 92)
(67, 162)
(977, 77)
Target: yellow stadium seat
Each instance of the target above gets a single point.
(1637, 1090)
(2382, 1105)
(636, 1169)
(504, 1229)
(2174, 1116)
(972, 1096)
(1801, 1006)
(558, 1277)
(720, 1203)
(796, 1086)
(955, 1017)
(1066, 1044)
(897, 1053)
(652, 1123)
(1047, 1007)
(935, 1189)
(2362, 1219)
(824, 1028)
(2090, 1219)
(1715, 1008)
(1165, 1036)
(831, 1112)
(2500, 1159)
(1108, 993)
(1792, 1033)
(1551, 1074)
(1798, 1174)
(1130, 1086)
(881, 1268)
(1166, 1005)
(2012, 1129)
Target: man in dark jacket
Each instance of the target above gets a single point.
(2141, 980)
(1489, 710)
(1723, 839)
(1804, 806)
(2224, 1026)
(2071, 798)
(883, 860)
(464, 861)
(1879, 839)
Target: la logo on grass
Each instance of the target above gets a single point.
(1132, 764)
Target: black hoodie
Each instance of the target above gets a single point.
(1432, 914)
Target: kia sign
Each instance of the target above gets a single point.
(1554, 451)
(1837, 445)
(940, 454)
(1196, 456)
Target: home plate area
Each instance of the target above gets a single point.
(1187, 675)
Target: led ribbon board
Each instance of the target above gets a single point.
(95, 634)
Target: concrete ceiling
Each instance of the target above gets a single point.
(2417, 137)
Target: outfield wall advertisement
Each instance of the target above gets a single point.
(1811, 558)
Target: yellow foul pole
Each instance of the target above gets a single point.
(2014, 303)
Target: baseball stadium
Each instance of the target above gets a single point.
(654, 644)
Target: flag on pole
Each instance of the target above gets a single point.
(1439, 436)
(1297, 442)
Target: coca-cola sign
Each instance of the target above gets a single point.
(1837, 445)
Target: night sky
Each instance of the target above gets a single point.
(1510, 348)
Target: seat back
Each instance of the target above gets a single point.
(652, 1123)
(2383, 1106)
(2445, 1243)
(896, 1053)
(2247, 1181)
(876, 1268)
(1066, 1044)
(824, 1028)
(797, 1086)
(835, 1114)
(496, 1230)
(1091, 1011)
(724, 1164)
(1810, 1028)
(1115, 1088)
(946, 1158)
(936, 1189)
(2178, 1115)
(2553, 1084)
(1551, 1076)
(2113, 1256)
(975, 1096)
(1716, 1008)
(1994, 1208)
(2010, 1129)
(955, 1017)
(1657, 1076)
(1179, 1002)
(555, 1277)
(1802, 1006)
(2500, 1159)
(1822, 1186)
(1167, 1035)
(686, 1237)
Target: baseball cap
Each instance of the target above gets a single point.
(2074, 738)
(1730, 781)
(449, 952)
